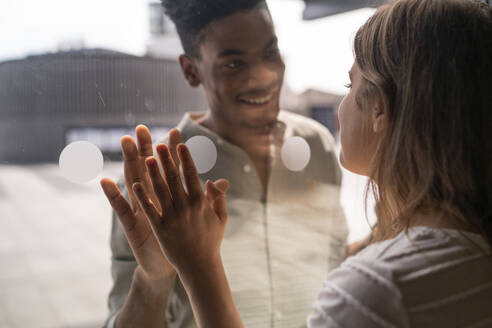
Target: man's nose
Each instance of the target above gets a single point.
(263, 75)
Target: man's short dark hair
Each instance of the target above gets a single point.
(191, 17)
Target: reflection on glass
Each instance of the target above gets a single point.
(203, 152)
(93, 77)
(81, 161)
(296, 153)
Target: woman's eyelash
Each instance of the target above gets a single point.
(348, 85)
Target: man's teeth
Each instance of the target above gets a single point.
(257, 101)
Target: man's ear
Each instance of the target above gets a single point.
(378, 115)
(190, 71)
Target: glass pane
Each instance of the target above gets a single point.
(73, 71)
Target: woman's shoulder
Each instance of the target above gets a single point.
(397, 282)
(423, 247)
(425, 256)
(359, 293)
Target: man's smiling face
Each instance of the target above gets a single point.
(241, 70)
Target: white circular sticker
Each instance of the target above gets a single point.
(295, 153)
(81, 161)
(203, 152)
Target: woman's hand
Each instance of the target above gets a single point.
(190, 229)
(146, 247)
(167, 228)
(190, 225)
(153, 265)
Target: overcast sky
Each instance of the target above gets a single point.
(318, 53)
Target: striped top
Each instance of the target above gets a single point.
(426, 278)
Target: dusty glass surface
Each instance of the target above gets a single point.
(73, 71)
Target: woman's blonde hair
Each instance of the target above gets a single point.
(430, 64)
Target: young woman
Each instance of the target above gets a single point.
(418, 122)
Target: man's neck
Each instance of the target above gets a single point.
(239, 136)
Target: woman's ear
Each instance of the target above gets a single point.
(378, 115)
(190, 71)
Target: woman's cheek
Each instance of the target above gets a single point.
(343, 136)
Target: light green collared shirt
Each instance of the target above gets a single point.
(278, 246)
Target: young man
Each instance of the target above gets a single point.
(277, 218)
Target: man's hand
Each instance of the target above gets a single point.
(153, 264)
(189, 225)
(154, 276)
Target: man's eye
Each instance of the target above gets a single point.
(233, 64)
(273, 52)
(348, 85)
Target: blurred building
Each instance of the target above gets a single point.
(49, 100)
(321, 8)
(323, 107)
(164, 40)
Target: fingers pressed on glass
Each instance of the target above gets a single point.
(129, 149)
(144, 140)
(210, 196)
(159, 185)
(172, 176)
(146, 204)
(133, 169)
(190, 173)
(118, 203)
(174, 141)
(219, 203)
(222, 184)
(213, 192)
